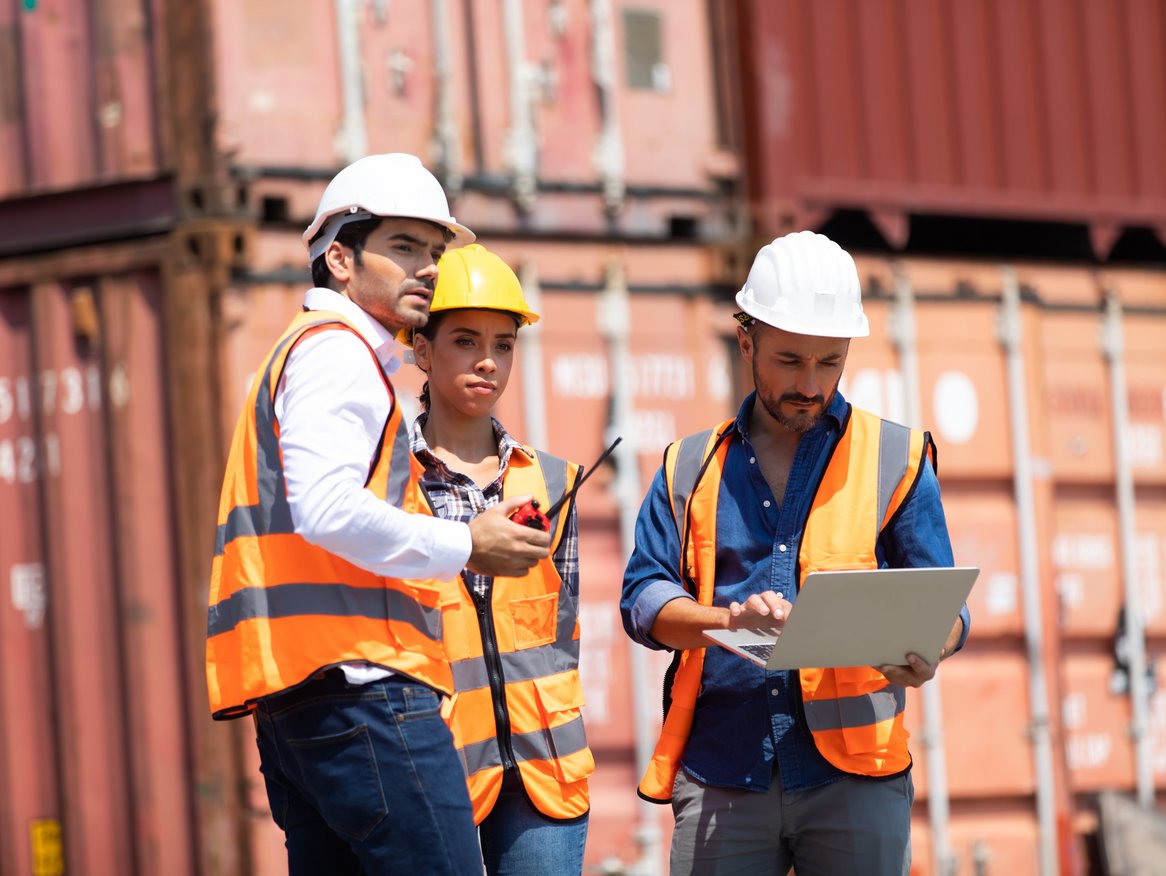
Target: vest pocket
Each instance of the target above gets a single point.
(560, 698)
(534, 620)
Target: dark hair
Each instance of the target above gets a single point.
(429, 330)
(353, 235)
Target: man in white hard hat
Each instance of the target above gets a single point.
(330, 572)
(771, 770)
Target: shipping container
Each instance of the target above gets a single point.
(1049, 111)
(95, 734)
(160, 160)
(80, 103)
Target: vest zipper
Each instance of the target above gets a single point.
(494, 674)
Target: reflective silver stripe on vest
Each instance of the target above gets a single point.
(526, 664)
(894, 445)
(252, 520)
(860, 711)
(398, 464)
(334, 600)
(689, 456)
(554, 472)
(537, 745)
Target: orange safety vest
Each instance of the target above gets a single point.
(854, 715)
(281, 609)
(517, 694)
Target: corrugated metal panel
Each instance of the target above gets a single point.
(78, 102)
(1038, 109)
(30, 780)
(92, 612)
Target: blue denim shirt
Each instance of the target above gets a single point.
(749, 725)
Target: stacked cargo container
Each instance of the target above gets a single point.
(1025, 135)
(160, 160)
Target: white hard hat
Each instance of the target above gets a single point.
(396, 184)
(807, 284)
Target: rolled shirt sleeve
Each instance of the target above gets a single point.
(652, 577)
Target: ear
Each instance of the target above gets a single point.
(745, 343)
(421, 351)
(338, 258)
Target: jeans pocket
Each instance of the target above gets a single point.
(340, 774)
(418, 701)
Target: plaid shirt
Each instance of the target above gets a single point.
(456, 497)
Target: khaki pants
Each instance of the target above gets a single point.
(851, 827)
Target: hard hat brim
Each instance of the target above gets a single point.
(860, 328)
(525, 318)
(462, 236)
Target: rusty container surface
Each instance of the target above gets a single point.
(95, 740)
(509, 117)
(1049, 110)
(79, 94)
(986, 700)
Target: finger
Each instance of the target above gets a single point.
(534, 542)
(512, 504)
(757, 604)
(774, 604)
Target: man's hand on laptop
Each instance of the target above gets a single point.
(915, 673)
(766, 610)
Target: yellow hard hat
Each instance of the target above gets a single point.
(472, 277)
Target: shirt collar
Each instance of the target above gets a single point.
(835, 413)
(507, 444)
(383, 342)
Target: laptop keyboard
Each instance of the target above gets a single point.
(761, 651)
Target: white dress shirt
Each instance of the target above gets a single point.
(332, 407)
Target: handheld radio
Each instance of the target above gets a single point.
(529, 513)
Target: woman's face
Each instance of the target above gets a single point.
(468, 361)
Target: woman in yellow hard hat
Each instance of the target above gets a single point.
(513, 643)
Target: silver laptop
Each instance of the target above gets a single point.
(870, 617)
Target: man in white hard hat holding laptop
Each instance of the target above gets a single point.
(768, 769)
(329, 568)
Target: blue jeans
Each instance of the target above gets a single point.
(364, 779)
(518, 840)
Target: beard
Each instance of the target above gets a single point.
(801, 422)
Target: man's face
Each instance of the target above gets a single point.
(796, 375)
(394, 279)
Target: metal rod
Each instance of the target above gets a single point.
(1113, 347)
(353, 135)
(614, 322)
(1010, 338)
(521, 143)
(534, 391)
(905, 337)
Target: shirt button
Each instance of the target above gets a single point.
(752, 460)
(782, 548)
(766, 503)
(775, 691)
